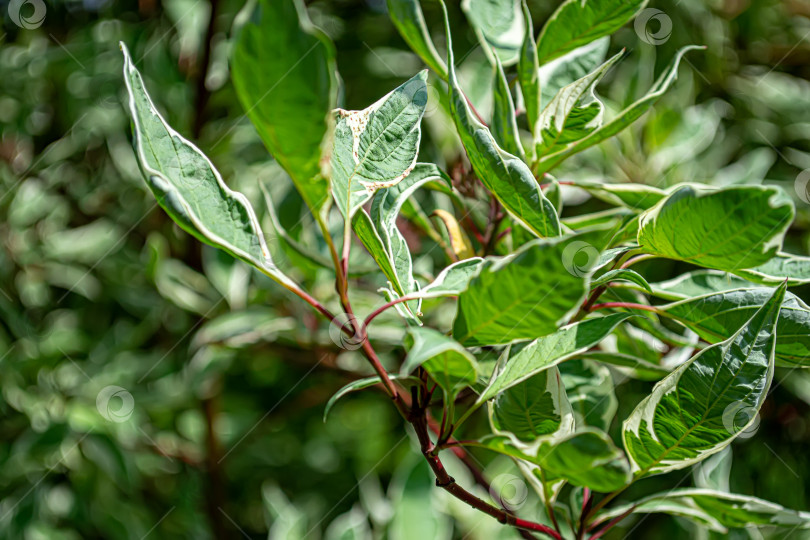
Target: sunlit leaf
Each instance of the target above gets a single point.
(726, 229)
(498, 25)
(622, 120)
(794, 268)
(550, 350)
(716, 316)
(376, 147)
(578, 22)
(573, 113)
(717, 510)
(571, 66)
(534, 408)
(523, 296)
(706, 403)
(189, 188)
(505, 175)
(528, 70)
(698, 283)
(446, 361)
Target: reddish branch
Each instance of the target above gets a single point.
(418, 420)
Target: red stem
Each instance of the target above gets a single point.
(611, 524)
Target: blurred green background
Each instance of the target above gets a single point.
(152, 387)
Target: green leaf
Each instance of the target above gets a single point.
(392, 246)
(407, 16)
(449, 364)
(586, 458)
(578, 22)
(453, 280)
(522, 296)
(189, 188)
(782, 266)
(622, 120)
(504, 120)
(638, 368)
(571, 66)
(281, 44)
(361, 384)
(698, 283)
(692, 413)
(726, 229)
(573, 113)
(623, 274)
(450, 282)
(631, 195)
(370, 238)
(499, 26)
(589, 387)
(550, 350)
(376, 147)
(534, 408)
(528, 70)
(503, 174)
(716, 316)
(715, 509)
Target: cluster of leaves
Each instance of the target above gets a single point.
(538, 295)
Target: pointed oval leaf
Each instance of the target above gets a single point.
(622, 120)
(716, 316)
(522, 296)
(449, 364)
(573, 113)
(698, 283)
(586, 458)
(499, 26)
(377, 147)
(717, 510)
(361, 384)
(571, 66)
(535, 408)
(503, 174)
(528, 70)
(726, 229)
(550, 350)
(693, 412)
(579, 22)
(784, 266)
(392, 252)
(189, 188)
